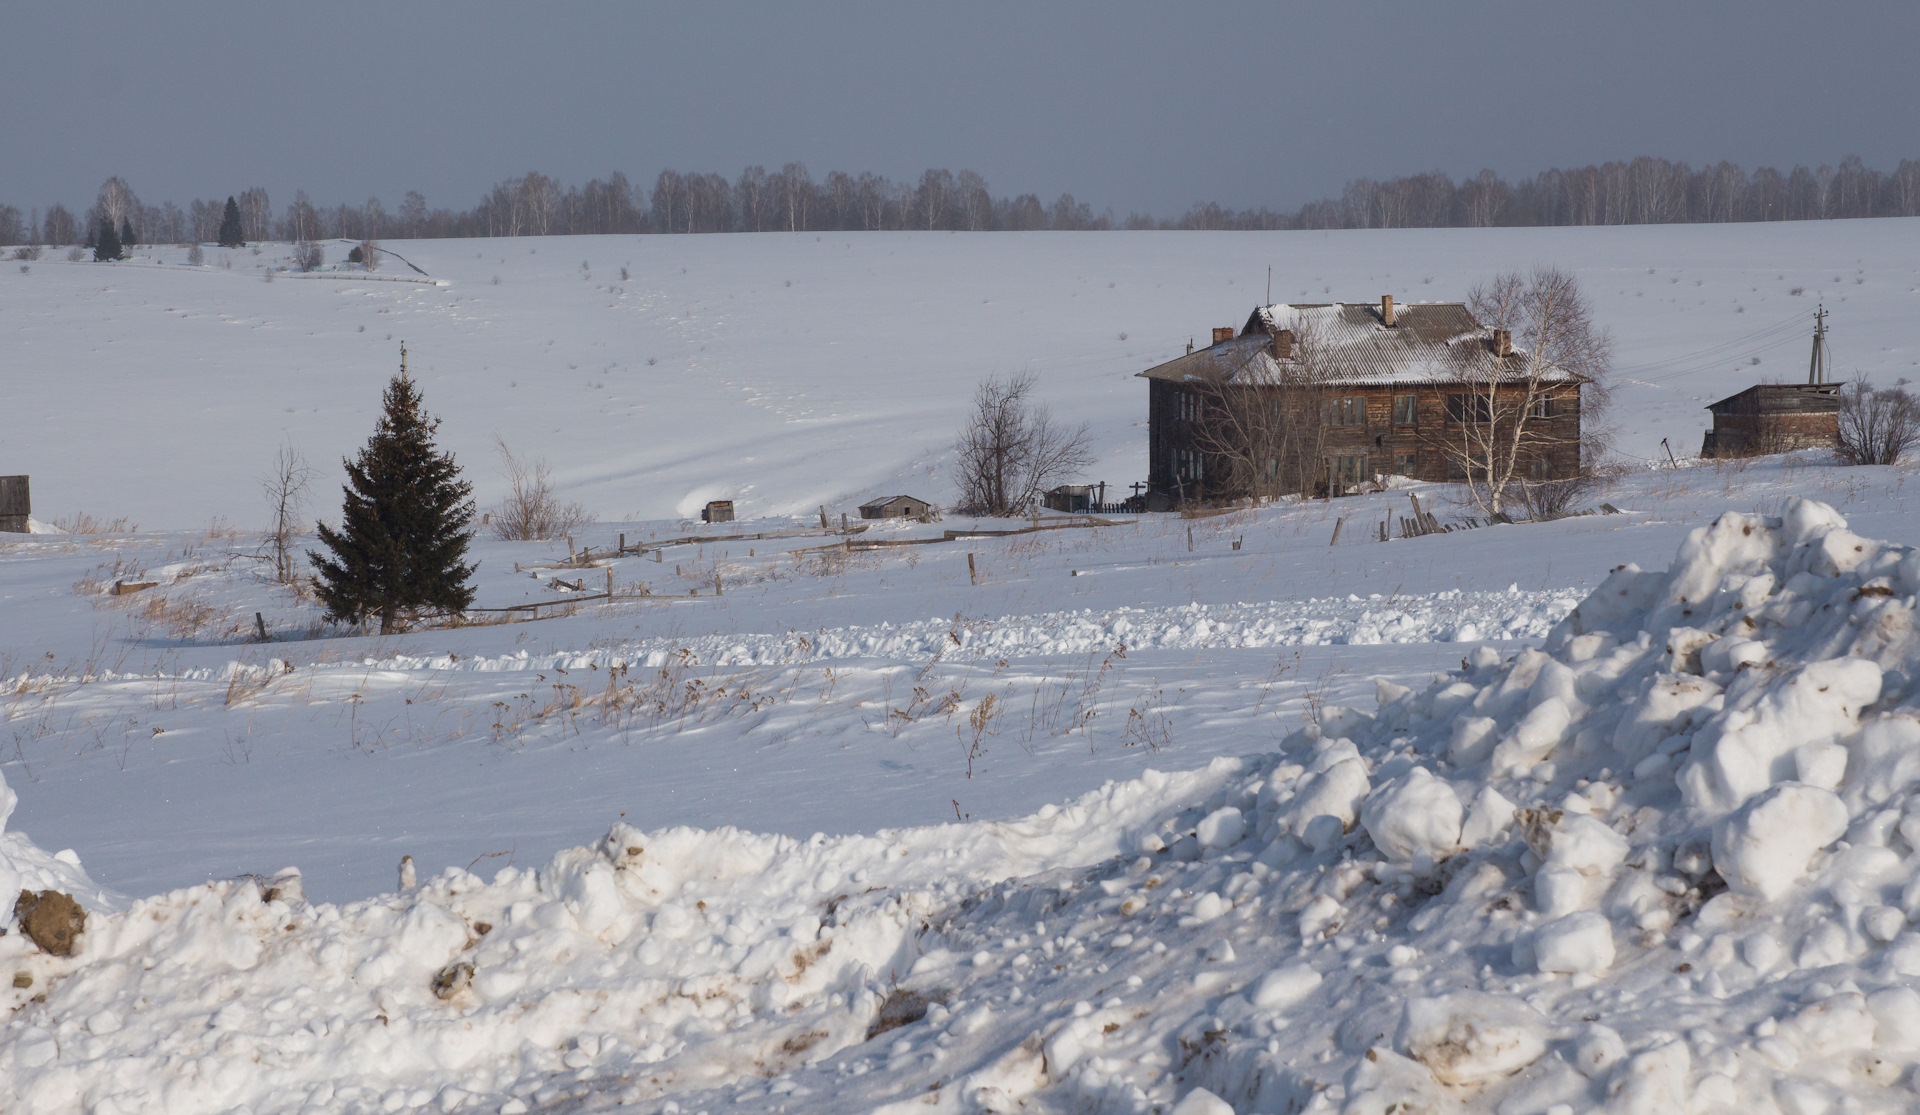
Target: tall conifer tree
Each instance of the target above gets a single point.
(126, 234)
(232, 233)
(106, 242)
(404, 528)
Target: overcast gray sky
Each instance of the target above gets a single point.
(1135, 106)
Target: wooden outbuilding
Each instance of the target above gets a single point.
(16, 505)
(717, 511)
(1774, 418)
(896, 507)
(1073, 498)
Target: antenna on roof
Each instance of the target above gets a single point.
(1817, 366)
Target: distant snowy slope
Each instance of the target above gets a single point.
(655, 373)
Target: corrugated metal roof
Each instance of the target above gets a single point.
(1424, 345)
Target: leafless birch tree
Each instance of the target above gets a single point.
(1502, 418)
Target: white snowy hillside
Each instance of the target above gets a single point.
(655, 373)
(1666, 861)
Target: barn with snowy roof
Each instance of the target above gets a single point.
(896, 507)
(1388, 390)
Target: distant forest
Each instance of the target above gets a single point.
(1642, 191)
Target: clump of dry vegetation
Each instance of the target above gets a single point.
(82, 523)
(532, 510)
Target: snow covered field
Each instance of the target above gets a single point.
(786, 372)
(1141, 812)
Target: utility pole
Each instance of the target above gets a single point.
(1817, 366)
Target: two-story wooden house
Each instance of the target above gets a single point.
(1408, 390)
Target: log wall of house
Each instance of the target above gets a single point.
(1417, 449)
(1740, 435)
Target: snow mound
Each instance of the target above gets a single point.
(1667, 861)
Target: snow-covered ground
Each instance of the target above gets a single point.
(655, 373)
(1599, 839)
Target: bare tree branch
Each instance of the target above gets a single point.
(1012, 450)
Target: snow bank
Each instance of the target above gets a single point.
(1455, 615)
(1664, 862)
(24, 866)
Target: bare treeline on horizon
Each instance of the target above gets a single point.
(1644, 190)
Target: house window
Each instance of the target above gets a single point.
(1541, 408)
(1542, 468)
(1463, 407)
(1349, 410)
(1346, 471)
(1403, 410)
(1405, 464)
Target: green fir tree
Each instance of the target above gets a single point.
(106, 242)
(232, 235)
(404, 528)
(126, 235)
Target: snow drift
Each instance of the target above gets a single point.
(1665, 862)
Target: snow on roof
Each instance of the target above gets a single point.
(1424, 345)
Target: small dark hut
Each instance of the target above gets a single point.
(896, 507)
(717, 511)
(1774, 418)
(1076, 497)
(15, 504)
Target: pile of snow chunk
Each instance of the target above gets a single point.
(1667, 861)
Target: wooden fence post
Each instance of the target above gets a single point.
(1337, 524)
(1189, 539)
(973, 577)
(260, 625)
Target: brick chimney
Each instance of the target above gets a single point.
(1386, 310)
(1283, 344)
(1222, 333)
(1503, 342)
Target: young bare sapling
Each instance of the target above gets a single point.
(285, 488)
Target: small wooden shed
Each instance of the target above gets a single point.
(1774, 418)
(717, 511)
(1076, 497)
(896, 507)
(15, 504)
